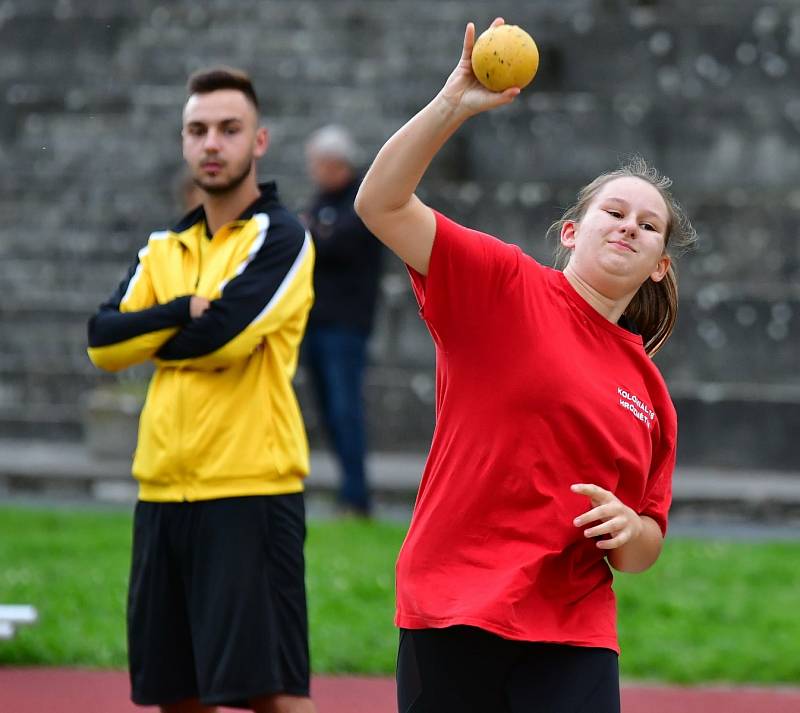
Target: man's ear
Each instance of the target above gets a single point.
(568, 230)
(661, 268)
(262, 142)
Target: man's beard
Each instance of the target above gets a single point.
(218, 189)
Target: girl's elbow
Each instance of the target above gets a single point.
(366, 210)
(361, 202)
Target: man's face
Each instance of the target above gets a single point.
(328, 173)
(221, 139)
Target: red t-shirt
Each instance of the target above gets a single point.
(535, 390)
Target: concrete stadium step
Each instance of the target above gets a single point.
(47, 469)
(740, 427)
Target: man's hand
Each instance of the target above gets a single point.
(197, 306)
(617, 520)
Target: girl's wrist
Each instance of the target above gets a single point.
(450, 112)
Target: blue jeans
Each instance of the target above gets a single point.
(335, 358)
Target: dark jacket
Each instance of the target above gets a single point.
(348, 263)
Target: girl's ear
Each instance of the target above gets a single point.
(661, 269)
(568, 234)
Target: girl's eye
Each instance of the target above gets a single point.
(647, 226)
(615, 213)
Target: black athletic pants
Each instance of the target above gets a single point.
(462, 669)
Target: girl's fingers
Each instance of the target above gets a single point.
(510, 94)
(598, 513)
(595, 492)
(614, 525)
(614, 542)
(469, 41)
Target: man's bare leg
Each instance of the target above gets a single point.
(283, 704)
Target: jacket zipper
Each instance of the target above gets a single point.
(181, 415)
(200, 239)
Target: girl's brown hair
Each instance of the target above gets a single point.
(654, 308)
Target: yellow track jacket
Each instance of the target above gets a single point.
(221, 418)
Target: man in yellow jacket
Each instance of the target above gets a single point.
(217, 605)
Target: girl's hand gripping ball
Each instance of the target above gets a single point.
(505, 56)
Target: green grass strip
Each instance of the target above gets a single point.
(709, 611)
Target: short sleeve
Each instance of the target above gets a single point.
(658, 491)
(471, 276)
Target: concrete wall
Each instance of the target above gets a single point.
(707, 89)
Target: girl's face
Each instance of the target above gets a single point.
(619, 242)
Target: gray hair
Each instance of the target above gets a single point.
(334, 141)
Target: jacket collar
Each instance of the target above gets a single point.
(267, 199)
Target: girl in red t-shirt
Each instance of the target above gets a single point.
(546, 398)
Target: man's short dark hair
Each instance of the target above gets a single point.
(205, 81)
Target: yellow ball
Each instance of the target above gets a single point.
(505, 56)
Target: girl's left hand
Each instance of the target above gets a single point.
(621, 523)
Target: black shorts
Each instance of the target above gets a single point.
(217, 601)
(461, 669)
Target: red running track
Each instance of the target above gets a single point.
(41, 690)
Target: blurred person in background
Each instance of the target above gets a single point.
(346, 283)
(552, 456)
(217, 603)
